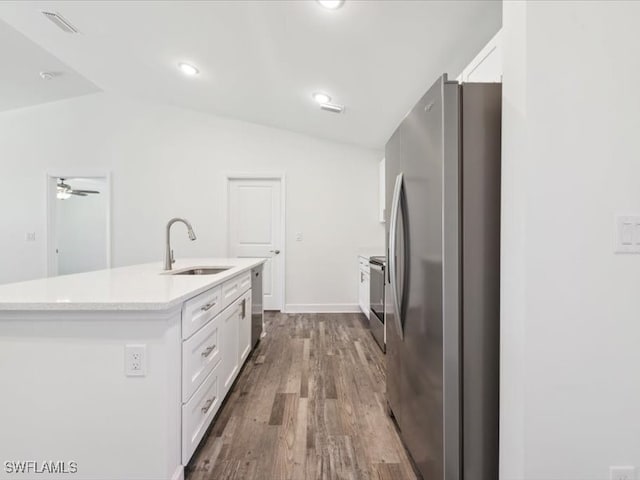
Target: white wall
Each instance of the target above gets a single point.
(169, 162)
(571, 158)
(81, 228)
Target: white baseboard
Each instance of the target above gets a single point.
(178, 474)
(322, 308)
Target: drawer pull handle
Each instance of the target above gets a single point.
(208, 351)
(208, 404)
(208, 306)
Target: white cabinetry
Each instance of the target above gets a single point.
(234, 287)
(195, 340)
(363, 285)
(198, 413)
(487, 65)
(216, 342)
(199, 310)
(230, 333)
(244, 336)
(200, 355)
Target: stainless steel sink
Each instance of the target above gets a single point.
(201, 271)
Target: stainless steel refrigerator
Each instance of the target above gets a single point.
(442, 292)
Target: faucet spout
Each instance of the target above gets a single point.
(168, 254)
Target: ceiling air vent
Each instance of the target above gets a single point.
(332, 107)
(61, 22)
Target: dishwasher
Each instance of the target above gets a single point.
(257, 307)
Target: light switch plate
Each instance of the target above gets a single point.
(622, 473)
(627, 234)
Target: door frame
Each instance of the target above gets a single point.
(281, 176)
(51, 177)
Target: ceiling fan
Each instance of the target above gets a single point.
(65, 191)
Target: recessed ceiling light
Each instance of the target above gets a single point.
(321, 97)
(331, 4)
(333, 108)
(188, 69)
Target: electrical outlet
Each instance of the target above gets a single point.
(299, 237)
(622, 473)
(135, 358)
(30, 236)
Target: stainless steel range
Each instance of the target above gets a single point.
(376, 299)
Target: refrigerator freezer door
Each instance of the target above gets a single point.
(422, 422)
(393, 345)
(419, 386)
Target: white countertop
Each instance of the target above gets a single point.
(371, 253)
(137, 287)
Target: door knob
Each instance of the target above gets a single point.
(275, 251)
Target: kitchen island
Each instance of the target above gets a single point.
(118, 373)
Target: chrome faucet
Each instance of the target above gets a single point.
(168, 254)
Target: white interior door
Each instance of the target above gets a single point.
(255, 230)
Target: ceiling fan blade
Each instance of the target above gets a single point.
(78, 193)
(86, 191)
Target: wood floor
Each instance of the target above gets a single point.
(309, 404)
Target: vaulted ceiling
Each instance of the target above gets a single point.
(260, 61)
(21, 84)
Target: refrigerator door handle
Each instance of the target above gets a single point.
(393, 230)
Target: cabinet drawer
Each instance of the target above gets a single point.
(198, 413)
(244, 282)
(199, 310)
(200, 354)
(233, 288)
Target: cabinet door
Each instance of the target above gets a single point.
(363, 290)
(244, 336)
(230, 333)
(487, 65)
(367, 295)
